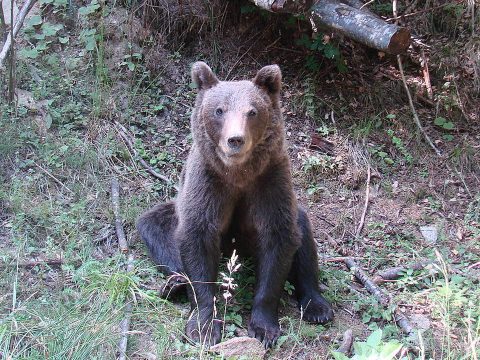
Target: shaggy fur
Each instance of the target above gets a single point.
(237, 185)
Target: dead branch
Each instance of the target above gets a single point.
(414, 112)
(53, 177)
(429, 10)
(365, 207)
(3, 24)
(396, 272)
(347, 342)
(122, 240)
(401, 320)
(18, 25)
(54, 263)
(336, 259)
(410, 101)
(125, 323)
(426, 74)
(122, 131)
(404, 324)
(367, 282)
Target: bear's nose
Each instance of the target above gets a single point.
(236, 142)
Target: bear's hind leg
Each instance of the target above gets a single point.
(304, 276)
(156, 228)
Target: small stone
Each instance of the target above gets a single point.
(420, 322)
(245, 347)
(429, 233)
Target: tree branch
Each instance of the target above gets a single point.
(122, 131)
(122, 241)
(18, 25)
(365, 207)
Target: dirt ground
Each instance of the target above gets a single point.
(350, 132)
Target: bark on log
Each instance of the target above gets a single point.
(288, 6)
(349, 18)
(361, 25)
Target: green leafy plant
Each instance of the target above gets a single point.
(378, 152)
(398, 143)
(89, 9)
(41, 34)
(445, 125)
(322, 45)
(372, 349)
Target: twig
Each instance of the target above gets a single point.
(398, 17)
(412, 107)
(3, 24)
(401, 320)
(50, 262)
(366, 4)
(18, 25)
(472, 266)
(405, 85)
(125, 323)
(335, 259)
(347, 342)
(122, 241)
(11, 72)
(396, 272)
(365, 207)
(123, 134)
(53, 177)
(367, 282)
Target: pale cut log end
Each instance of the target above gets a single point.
(399, 42)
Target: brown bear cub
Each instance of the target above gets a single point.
(236, 193)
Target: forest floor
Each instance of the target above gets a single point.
(82, 69)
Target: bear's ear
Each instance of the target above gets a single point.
(203, 76)
(270, 79)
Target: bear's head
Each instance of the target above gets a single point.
(237, 116)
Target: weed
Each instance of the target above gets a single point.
(321, 44)
(399, 145)
(372, 348)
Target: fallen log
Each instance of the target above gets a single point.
(348, 17)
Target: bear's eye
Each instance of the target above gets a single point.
(252, 113)
(218, 112)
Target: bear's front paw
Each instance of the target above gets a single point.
(205, 332)
(266, 331)
(316, 309)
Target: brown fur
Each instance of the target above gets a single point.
(237, 184)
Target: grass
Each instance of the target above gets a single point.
(57, 160)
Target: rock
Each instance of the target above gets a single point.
(245, 347)
(420, 321)
(429, 233)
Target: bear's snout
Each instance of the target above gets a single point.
(236, 143)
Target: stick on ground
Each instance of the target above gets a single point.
(365, 207)
(401, 320)
(125, 323)
(122, 240)
(367, 282)
(414, 112)
(396, 272)
(124, 135)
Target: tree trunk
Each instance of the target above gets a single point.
(350, 19)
